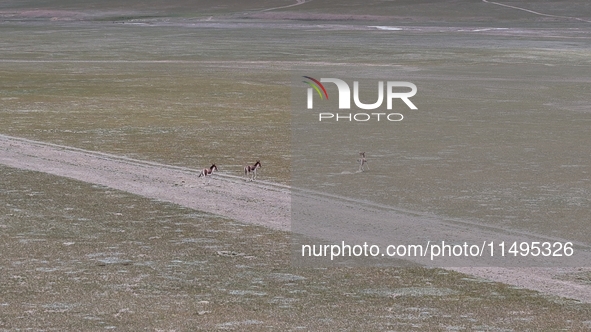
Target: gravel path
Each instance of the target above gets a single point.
(269, 204)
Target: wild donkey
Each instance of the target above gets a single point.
(362, 162)
(208, 172)
(248, 170)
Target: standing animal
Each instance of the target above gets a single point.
(207, 172)
(362, 162)
(252, 170)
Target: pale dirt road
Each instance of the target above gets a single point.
(267, 204)
(232, 197)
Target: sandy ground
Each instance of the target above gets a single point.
(260, 203)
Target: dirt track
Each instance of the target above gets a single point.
(258, 202)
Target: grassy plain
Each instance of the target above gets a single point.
(167, 85)
(81, 257)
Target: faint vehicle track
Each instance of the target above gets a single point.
(298, 2)
(534, 12)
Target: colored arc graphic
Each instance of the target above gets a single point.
(316, 87)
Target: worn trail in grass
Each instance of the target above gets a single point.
(268, 204)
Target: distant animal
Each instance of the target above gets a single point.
(207, 172)
(362, 162)
(252, 170)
